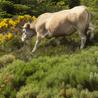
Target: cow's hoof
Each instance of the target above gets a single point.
(81, 47)
(32, 52)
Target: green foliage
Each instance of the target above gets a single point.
(51, 66)
(6, 59)
(14, 44)
(37, 7)
(21, 9)
(43, 76)
(73, 3)
(7, 6)
(3, 14)
(90, 3)
(6, 9)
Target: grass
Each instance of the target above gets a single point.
(44, 74)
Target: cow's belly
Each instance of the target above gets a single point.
(62, 30)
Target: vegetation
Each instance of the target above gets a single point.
(73, 3)
(74, 75)
(9, 8)
(54, 71)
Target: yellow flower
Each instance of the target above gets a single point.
(3, 24)
(5, 20)
(1, 37)
(34, 18)
(11, 22)
(9, 36)
(27, 16)
(20, 17)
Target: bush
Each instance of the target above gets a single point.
(90, 3)
(21, 9)
(8, 9)
(6, 59)
(73, 3)
(43, 76)
(7, 6)
(14, 44)
(3, 14)
(12, 28)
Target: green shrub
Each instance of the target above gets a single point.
(3, 14)
(73, 3)
(21, 9)
(9, 9)
(90, 3)
(7, 6)
(13, 44)
(6, 59)
(6, 9)
(42, 76)
(95, 94)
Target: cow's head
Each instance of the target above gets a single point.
(28, 31)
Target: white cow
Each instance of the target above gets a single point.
(60, 23)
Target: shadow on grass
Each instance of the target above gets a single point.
(48, 47)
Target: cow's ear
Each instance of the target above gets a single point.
(28, 26)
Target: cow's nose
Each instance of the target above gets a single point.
(22, 39)
(23, 30)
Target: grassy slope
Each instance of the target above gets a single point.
(51, 72)
(43, 76)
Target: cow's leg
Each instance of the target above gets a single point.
(38, 40)
(83, 40)
(36, 43)
(90, 32)
(45, 35)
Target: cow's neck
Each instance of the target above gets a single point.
(33, 27)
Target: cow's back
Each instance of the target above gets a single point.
(58, 22)
(67, 21)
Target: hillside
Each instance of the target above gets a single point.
(70, 75)
(53, 71)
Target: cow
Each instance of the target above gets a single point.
(61, 23)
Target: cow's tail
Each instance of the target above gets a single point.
(88, 20)
(89, 27)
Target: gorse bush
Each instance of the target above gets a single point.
(6, 37)
(13, 26)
